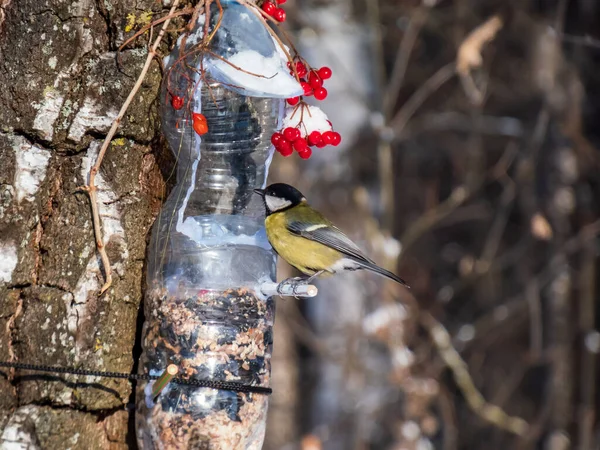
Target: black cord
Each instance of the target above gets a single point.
(214, 384)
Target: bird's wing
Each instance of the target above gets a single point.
(330, 236)
(327, 234)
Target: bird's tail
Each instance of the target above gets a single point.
(380, 271)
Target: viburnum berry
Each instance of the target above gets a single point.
(325, 73)
(284, 145)
(320, 144)
(279, 15)
(328, 137)
(177, 102)
(199, 123)
(320, 94)
(281, 2)
(315, 80)
(305, 154)
(336, 138)
(301, 69)
(293, 101)
(314, 138)
(276, 138)
(269, 7)
(291, 134)
(308, 90)
(300, 145)
(286, 151)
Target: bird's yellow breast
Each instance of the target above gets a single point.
(305, 255)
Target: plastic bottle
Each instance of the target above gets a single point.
(209, 254)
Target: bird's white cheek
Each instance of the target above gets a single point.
(276, 203)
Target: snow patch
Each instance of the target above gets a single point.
(312, 118)
(89, 117)
(48, 111)
(256, 74)
(32, 162)
(19, 433)
(8, 261)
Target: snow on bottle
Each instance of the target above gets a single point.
(209, 254)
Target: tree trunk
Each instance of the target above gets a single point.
(62, 86)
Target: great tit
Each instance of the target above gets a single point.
(307, 240)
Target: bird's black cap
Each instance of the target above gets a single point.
(282, 190)
(288, 195)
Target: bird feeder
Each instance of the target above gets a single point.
(210, 268)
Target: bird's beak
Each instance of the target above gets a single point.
(260, 192)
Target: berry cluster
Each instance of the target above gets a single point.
(291, 139)
(273, 10)
(306, 126)
(313, 83)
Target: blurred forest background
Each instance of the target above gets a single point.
(470, 166)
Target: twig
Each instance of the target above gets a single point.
(416, 22)
(588, 381)
(261, 16)
(384, 150)
(469, 55)
(487, 411)
(447, 411)
(515, 306)
(402, 117)
(90, 188)
(458, 196)
(183, 12)
(532, 295)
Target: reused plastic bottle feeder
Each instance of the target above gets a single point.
(209, 254)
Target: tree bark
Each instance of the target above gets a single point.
(62, 86)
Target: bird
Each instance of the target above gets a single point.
(308, 241)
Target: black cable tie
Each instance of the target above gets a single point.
(213, 384)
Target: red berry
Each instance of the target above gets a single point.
(320, 93)
(336, 138)
(281, 2)
(328, 137)
(276, 138)
(269, 7)
(315, 80)
(314, 137)
(308, 90)
(177, 102)
(284, 145)
(291, 134)
(321, 144)
(300, 145)
(305, 154)
(279, 15)
(199, 123)
(293, 101)
(301, 69)
(287, 151)
(325, 72)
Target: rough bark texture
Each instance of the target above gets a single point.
(62, 85)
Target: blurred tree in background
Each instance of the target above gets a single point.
(470, 166)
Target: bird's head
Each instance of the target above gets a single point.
(280, 196)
